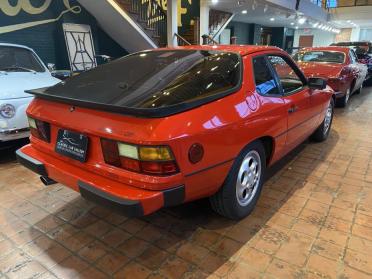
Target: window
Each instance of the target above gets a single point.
(157, 79)
(265, 81)
(289, 80)
(15, 59)
(320, 56)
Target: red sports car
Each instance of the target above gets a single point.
(338, 65)
(163, 127)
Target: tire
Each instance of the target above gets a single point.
(342, 102)
(231, 200)
(360, 89)
(322, 132)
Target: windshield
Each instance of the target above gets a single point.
(15, 59)
(320, 56)
(156, 79)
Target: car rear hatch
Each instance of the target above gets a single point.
(152, 83)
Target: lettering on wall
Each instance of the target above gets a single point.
(27, 7)
(182, 10)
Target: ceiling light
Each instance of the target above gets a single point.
(348, 21)
(292, 23)
(272, 19)
(214, 1)
(302, 20)
(244, 12)
(296, 27)
(315, 24)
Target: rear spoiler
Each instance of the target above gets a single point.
(136, 112)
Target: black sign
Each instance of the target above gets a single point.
(72, 145)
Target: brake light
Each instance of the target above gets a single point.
(152, 160)
(39, 129)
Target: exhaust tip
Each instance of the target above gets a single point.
(47, 181)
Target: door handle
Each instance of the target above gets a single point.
(292, 109)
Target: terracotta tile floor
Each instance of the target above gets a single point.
(314, 220)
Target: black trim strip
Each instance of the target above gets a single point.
(210, 167)
(130, 208)
(294, 127)
(174, 196)
(31, 163)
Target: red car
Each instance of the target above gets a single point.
(163, 127)
(338, 65)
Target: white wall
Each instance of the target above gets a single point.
(321, 38)
(365, 34)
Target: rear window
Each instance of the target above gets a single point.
(156, 79)
(320, 56)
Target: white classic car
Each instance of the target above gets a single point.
(20, 69)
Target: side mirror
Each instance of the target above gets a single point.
(51, 67)
(317, 83)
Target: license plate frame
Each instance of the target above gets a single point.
(72, 145)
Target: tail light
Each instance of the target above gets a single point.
(39, 129)
(152, 160)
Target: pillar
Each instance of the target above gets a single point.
(204, 18)
(172, 24)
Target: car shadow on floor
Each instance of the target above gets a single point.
(8, 149)
(187, 239)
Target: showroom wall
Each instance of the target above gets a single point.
(39, 25)
(321, 38)
(246, 33)
(365, 34)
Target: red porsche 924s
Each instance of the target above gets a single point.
(163, 127)
(338, 65)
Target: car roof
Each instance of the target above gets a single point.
(329, 48)
(15, 45)
(241, 49)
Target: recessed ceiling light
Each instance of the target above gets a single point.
(302, 20)
(272, 19)
(296, 27)
(244, 12)
(214, 1)
(348, 21)
(292, 23)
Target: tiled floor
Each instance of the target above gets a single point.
(314, 220)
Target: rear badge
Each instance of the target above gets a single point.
(72, 109)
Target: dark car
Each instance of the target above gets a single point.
(364, 52)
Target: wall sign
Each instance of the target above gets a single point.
(27, 7)
(80, 47)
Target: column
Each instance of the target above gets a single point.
(204, 18)
(172, 26)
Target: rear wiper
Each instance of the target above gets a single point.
(7, 69)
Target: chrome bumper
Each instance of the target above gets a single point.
(13, 134)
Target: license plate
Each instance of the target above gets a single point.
(72, 145)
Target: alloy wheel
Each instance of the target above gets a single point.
(328, 118)
(249, 177)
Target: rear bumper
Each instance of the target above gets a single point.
(14, 134)
(339, 94)
(126, 199)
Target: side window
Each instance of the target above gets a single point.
(265, 81)
(289, 80)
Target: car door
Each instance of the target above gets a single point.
(297, 98)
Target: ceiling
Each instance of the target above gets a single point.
(260, 12)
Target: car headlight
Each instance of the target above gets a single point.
(7, 111)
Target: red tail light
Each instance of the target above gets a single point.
(39, 129)
(152, 160)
